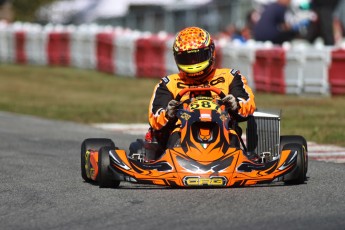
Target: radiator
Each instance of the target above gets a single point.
(263, 133)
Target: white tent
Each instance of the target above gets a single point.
(89, 10)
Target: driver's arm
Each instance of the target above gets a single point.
(243, 93)
(158, 103)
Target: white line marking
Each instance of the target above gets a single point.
(328, 153)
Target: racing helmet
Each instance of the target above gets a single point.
(194, 54)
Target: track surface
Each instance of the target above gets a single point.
(41, 188)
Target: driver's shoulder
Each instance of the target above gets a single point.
(227, 71)
(170, 78)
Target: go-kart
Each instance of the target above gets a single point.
(208, 151)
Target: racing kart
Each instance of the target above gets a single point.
(209, 150)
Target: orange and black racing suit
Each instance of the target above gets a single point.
(229, 81)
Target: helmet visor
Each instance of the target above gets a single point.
(191, 57)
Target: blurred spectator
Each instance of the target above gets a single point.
(252, 18)
(300, 17)
(272, 25)
(231, 32)
(323, 26)
(227, 32)
(246, 34)
(339, 21)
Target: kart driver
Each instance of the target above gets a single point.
(194, 53)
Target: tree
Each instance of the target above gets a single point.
(25, 10)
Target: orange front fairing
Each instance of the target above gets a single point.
(161, 172)
(250, 173)
(177, 169)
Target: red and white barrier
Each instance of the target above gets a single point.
(11, 45)
(238, 56)
(315, 71)
(105, 51)
(125, 53)
(3, 42)
(336, 72)
(169, 56)
(292, 69)
(83, 46)
(150, 56)
(35, 45)
(20, 40)
(268, 70)
(58, 48)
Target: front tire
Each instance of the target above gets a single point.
(91, 144)
(298, 140)
(104, 176)
(298, 174)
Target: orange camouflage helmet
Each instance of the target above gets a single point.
(194, 53)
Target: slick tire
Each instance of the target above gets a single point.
(298, 140)
(298, 174)
(293, 139)
(104, 177)
(94, 144)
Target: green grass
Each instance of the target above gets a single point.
(73, 94)
(87, 96)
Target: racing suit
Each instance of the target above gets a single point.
(229, 81)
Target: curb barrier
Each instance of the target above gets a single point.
(315, 71)
(170, 65)
(4, 46)
(83, 47)
(35, 46)
(269, 70)
(125, 49)
(59, 48)
(336, 72)
(289, 69)
(105, 51)
(20, 40)
(241, 58)
(11, 46)
(293, 71)
(150, 56)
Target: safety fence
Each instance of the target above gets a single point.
(289, 69)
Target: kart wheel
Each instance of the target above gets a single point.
(293, 139)
(93, 144)
(104, 176)
(298, 174)
(298, 140)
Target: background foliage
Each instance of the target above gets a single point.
(25, 10)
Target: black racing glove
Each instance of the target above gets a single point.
(172, 109)
(231, 101)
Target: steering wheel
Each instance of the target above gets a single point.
(209, 88)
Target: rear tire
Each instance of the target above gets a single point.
(298, 174)
(92, 144)
(104, 177)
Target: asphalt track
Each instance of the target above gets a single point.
(41, 188)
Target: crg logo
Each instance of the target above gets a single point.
(200, 181)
